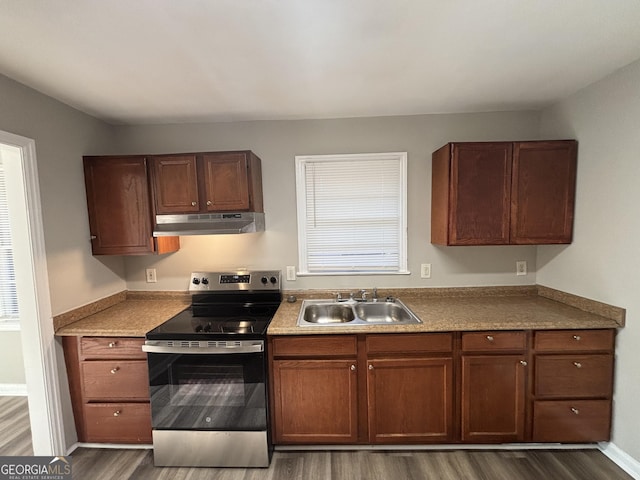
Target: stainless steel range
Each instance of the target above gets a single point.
(208, 373)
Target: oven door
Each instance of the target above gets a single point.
(219, 388)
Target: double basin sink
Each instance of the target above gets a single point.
(315, 313)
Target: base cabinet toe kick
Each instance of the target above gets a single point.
(491, 387)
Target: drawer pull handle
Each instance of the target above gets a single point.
(115, 369)
(490, 338)
(116, 413)
(575, 411)
(112, 344)
(353, 367)
(577, 364)
(577, 338)
(523, 363)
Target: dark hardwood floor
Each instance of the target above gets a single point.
(137, 464)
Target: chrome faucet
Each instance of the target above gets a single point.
(375, 294)
(363, 295)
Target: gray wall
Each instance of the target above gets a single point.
(277, 143)
(603, 261)
(12, 371)
(62, 135)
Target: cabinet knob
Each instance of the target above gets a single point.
(193, 204)
(116, 413)
(209, 202)
(577, 364)
(577, 338)
(112, 344)
(115, 369)
(523, 363)
(370, 367)
(353, 367)
(490, 338)
(92, 237)
(575, 411)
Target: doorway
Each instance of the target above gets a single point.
(18, 156)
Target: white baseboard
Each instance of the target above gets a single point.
(622, 459)
(13, 389)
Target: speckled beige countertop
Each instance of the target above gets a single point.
(133, 314)
(130, 315)
(494, 308)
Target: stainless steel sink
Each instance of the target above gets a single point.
(383, 312)
(333, 313)
(327, 313)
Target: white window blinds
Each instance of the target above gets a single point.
(352, 213)
(8, 294)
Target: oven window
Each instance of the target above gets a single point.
(208, 392)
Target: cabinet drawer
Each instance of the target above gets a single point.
(115, 379)
(493, 341)
(571, 421)
(410, 343)
(315, 346)
(111, 347)
(574, 340)
(118, 422)
(573, 375)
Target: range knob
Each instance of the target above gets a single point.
(205, 281)
(273, 280)
(196, 281)
(264, 280)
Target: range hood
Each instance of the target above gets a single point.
(208, 223)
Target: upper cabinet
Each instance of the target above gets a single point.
(500, 193)
(207, 182)
(118, 201)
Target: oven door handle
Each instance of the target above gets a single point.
(202, 350)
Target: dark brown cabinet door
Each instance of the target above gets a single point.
(175, 183)
(226, 182)
(493, 398)
(315, 401)
(497, 193)
(118, 205)
(543, 190)
(410, 400)
(471, 186)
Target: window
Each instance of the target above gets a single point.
(352, 214)
(8, 293)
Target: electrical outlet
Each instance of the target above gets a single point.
(521, 267)
(425, 270)
(151, 275)
(291, 273)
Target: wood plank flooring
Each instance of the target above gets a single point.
(366, 465)
(137, 464)
(15, 439)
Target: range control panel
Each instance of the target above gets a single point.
(230, 281)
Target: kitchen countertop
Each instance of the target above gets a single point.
(132, 317)
(478, 310)
(133, 314)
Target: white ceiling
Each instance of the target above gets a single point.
(160, 61)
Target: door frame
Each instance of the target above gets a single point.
(39, 345)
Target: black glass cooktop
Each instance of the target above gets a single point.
(205, 320)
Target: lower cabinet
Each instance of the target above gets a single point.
(109, 386)
(573, 384)
(493, 387)
(362, 389)
(316, 401)
(454, 387)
